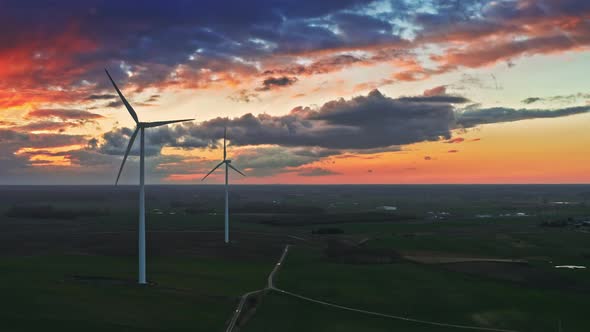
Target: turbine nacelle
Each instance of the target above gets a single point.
(225, 160)
(140, 125)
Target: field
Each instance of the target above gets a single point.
(478, 256)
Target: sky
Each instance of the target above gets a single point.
(311, 92)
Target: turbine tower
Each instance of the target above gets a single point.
(228, 165)
(139, 127)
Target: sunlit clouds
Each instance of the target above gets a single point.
(310, 92)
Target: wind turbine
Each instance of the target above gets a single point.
(228, 165)
(140, 127)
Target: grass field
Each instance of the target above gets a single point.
(75, 268)
(431, 292)
(94, 293)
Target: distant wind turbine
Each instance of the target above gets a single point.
(228, 165)
(140, 127)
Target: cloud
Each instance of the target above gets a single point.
(114, 104)
(53, 57)
(316, 171)
(64, 114)
(244, 96)
(101, 97)
(270, 160)
(5, 123)
(19, 151)
(444, 99)
(182, 45)
(471, 118)
(560, 99)
(115, 143)
(531, 100)
(152, 99)
(365, 124)
(56, 120)
(456, 140)
(47, 126)
(276, 82)
(471, 81)
(264, 145)
(453, 151)
(436, 91)
(372, 85)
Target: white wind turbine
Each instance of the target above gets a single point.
(228, 165)
(140, 127)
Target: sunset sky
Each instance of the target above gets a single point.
(311, 92)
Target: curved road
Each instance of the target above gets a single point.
(270, 286)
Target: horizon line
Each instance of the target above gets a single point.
(305, 184)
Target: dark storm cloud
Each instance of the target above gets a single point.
(276, 82)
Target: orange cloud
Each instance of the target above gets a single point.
(455, 140)
(40, 69)
(64, 114)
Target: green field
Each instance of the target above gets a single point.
(73, 268)
(426, 292)
(96, 293)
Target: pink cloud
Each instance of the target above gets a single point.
(436, 91)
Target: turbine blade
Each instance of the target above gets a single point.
(235, 169)
(131, 140)
(162, 123)
(125, 102)
(213, 170)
